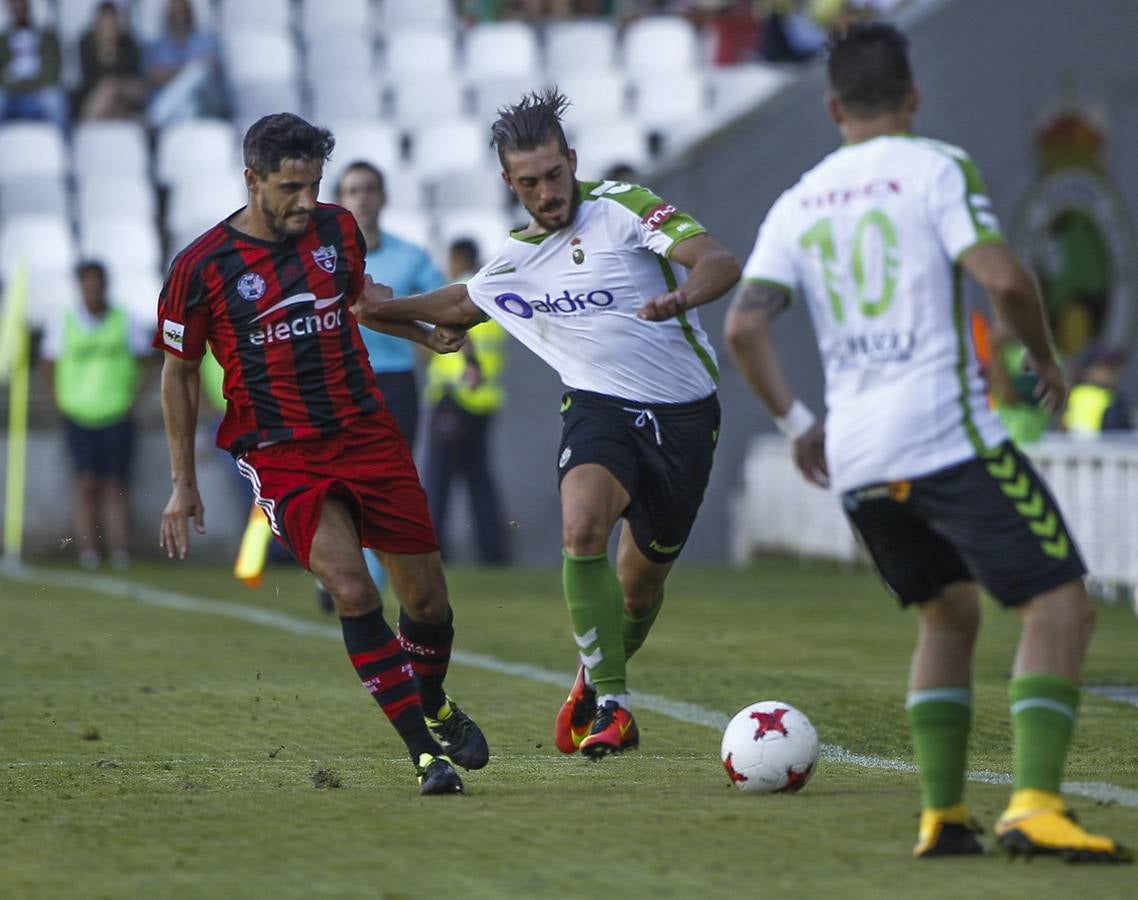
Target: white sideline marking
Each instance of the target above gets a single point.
(673, 709)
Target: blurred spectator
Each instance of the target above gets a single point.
(181, 68)
(1095, 404)
(1012, 388)
(465, 393)
(789, 33)
(110, 85)
(621, 172)
(731, 27)
(92, 359)
(30, 85)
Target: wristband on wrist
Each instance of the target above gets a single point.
(797, 421)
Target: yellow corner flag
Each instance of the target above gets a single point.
(254, 548)
(14, 364)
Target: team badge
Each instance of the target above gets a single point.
(251, 286)
(578, 253)
(325, 257)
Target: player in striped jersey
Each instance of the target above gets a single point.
(268, 288)
(873, 239)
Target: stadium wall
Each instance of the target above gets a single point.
(986, 71)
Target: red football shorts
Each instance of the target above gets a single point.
(368, 464)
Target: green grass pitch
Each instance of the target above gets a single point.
(154, 748)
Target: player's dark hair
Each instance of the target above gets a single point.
(360, 165)
(530, 123)
(467, 249)
(91, 266)
(868, 68)
(282, 136)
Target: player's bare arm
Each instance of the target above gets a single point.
(747, 332)
(450, 305)
(714, 271)
(1018, 305)
(181, 390)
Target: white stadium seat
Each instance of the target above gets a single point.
(101, 148)
(199, 204)
(343, 98)
(449, 146)
(340, 55)
(256, 57)
(601, 146)
(253, 100)
(493, 93)
(479, 188)
(255, 15)
(121, 242)
(427, 100)
(42, 194)
(580, 46)
(189, 149)
(51, 292)
(136, 291)
(663, 102)
(30, 149)
(321, 15)
(361, 139)
(402, 13)
(660, 43)
(594, 98)
(416, 53)
(40, 242)
(150, 17)
(410, 224)
(404, 188)
(494, 49)
(116, 195)
(488, 228)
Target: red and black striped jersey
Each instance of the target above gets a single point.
(275, 316)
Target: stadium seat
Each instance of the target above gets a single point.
(660, 42)
(449, 146)
(493, 93)
(76, 16)
(404, 188)
(320, 15)
(361, 139)
(198, 204)
(263, 15)
(102, 148)
(185, 150)
(736, 89)
(136, 291)
(43, 194)
(40, 242)
(121, 242)
(488, 228)
(663, 102)
(253, 100)
(410, 224)
(51, 292)
(479, 188)
(418, 53)
(601, 146)
(116, 195)
(31, 149)
(496, 49)
(342, 98)
(421, 102)
(580, 46)
(595, 98)
(429, 13)
(338, 54)
(150, 17)
(257, 57)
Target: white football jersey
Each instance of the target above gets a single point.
(872, 237)
(571, 297)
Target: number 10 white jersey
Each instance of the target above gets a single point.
(871, 237)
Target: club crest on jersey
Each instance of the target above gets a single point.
(251, 286)
(579, 256)
(325, 257)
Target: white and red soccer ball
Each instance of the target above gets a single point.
(769, 747)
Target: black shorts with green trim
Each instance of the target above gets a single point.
(990, 519)
(661, 453)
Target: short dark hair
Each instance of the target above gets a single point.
(868, 68)
(281, 136)
(361, 165)
(92, 266)
(530, 123)
(467, 249)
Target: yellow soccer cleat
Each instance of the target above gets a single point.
(1036, 823)
(948, 832)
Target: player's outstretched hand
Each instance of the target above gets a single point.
(174, 537)
(810, 456)
(371, 298)
(1051, 391)
(663, 306)
(445, 339)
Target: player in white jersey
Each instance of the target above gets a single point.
(874, 238)
(603, 284)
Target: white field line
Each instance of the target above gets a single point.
(673, 709)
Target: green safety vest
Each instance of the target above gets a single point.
(444, 372)
(96, 374)
(1086, 405)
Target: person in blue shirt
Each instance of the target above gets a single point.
(408, 269)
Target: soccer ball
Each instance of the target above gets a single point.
(769, 747)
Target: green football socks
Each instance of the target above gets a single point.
(596, 607)
(1043, 709)
(634, 631)
(939, 721)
